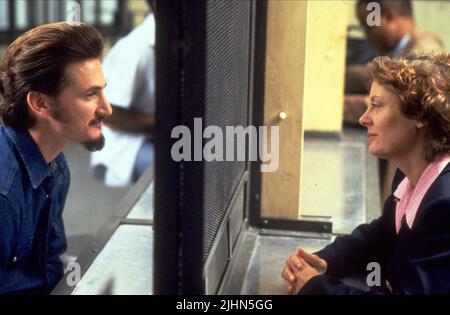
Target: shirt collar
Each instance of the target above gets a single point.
(409, 198)
(428, 176)
(403, 189)
(398, 49)
(35, 164)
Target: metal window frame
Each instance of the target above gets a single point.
(120, 26)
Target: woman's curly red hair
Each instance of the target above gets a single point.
(422, 84)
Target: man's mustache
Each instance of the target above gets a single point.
(98, 119)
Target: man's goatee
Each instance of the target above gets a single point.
(95, 145)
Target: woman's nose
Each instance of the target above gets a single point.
(364, 120)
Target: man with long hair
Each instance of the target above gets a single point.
(52, 84)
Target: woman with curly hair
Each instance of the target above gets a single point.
(408, 123)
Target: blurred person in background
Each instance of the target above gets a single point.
(397, 36)
(129, 69)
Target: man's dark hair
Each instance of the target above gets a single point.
(402, 7)
(37, 60)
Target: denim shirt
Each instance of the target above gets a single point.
(32, 197)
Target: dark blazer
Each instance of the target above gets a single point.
(415, 261)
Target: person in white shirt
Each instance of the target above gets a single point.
(129, 70)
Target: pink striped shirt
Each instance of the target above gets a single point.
(409, 198)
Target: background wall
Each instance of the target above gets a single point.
(434, 16)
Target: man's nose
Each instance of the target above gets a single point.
(105, 105)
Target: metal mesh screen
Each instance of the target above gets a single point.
(227, 82)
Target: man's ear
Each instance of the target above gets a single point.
(38, 103)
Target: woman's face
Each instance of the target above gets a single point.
(390, 133)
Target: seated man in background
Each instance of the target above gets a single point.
(52, 84)
(397, 36)
(129, 70)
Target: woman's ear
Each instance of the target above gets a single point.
(420, 124)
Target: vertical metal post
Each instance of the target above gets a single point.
(97, 13)
(12, 15)
(31, 8)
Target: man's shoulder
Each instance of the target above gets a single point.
(136, 45)
(8, 161)
(143, 35)
(424, 41)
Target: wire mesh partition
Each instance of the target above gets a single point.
(204, 78)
